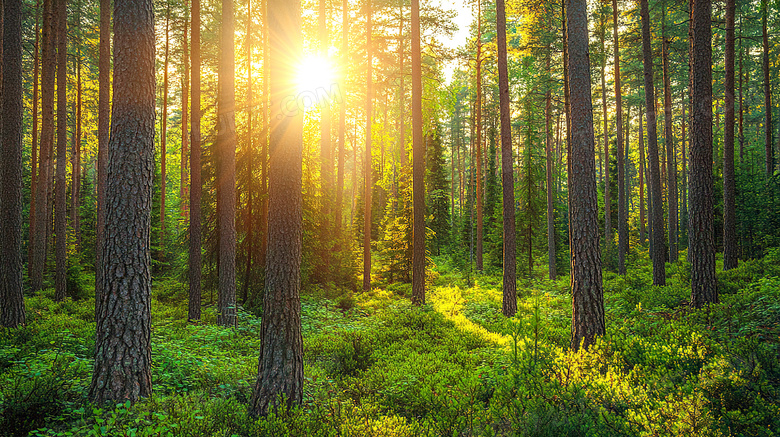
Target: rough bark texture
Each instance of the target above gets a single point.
(367, 179)
(60, 187)
(11, 298)
(226, 170)
(656, 212)
(193, 311)
(418, 164)
(671, 157)
(621, 176)
(48, 66)
(280, 369)
(769, 151)
(104, 124)
(730, 250)
(122, 369)
(509, 305)
(700, 220)
(586, 285)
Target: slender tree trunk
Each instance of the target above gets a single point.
(509, 305)
(280, 369)
(34, 152)
(104, 125)
(567, 109)
(418, 164)
(342, 121)
(741, 99)
(684, 222)
(608, 236)
(249, 239)
(60, 209)
(700, 220)
(478, 142)
(264, 120)
(185, 123)
(587, 292)
(657, 217)
(367, 160)
(75, 190)
(402, 90)
(621, 177)
(730, 251)
(226, 170)
(326, 160)
(552, 274)
(164, 133)
(12, 313)
(122, 369)
(769, 152)
(641, 180)
(671, 165)
(193, 312)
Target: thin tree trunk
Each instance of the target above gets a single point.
(226, 170)
(250, 158)
(12, 313)
(641, 180)
(326, 160)
(684, 176)
(34, 153)
(478, 142)
(769, 152)
(418, 164)
(700, 219)
(730, 250)
(367, 159)
(671, 165)
(509, 296)
(122, 369)
(164, 133)
(193, 311)
(741, 99)
(608, 236)
(402, 90)
(280, 369)
(550, 197)
(185, 93)
(657, 234)
(342, 122)
(264, 120)
(76, 181)
(587, 292)
(622, 213)
(60, 209)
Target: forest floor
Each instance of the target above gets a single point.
(376, 366)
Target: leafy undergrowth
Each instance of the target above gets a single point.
(376, 366)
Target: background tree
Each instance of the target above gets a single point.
(418, 164)
(60, 187)
(730, 251)
(193, 312)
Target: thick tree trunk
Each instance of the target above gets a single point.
(509, 301)
(226, 169)
(621, 177)
(700, 219)
(11, 298)
(367, 160)
(193, 311)
(657, 217)
(280, 370)
(60, 187)
(587, 292)
(769, 151)
(123, 360)
(671, 165)
(418, 164)
(730, 250)
(104, 125)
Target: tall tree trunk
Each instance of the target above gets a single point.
(700, 219)
(587, 292)
(185, 127)
(164, 132)
(226, 169)
(402, 90)
(730, 250)
(608, 236)
(769, 151)
(104, 125)
(280, 369)
(478, 142)
(326, 160)
(342, 121)
(123, 359)
(684, 157)
(621, 165)
(367, 160)
(60, 208)
(264, 122)
(11, 298)
(671, 165)
(567, 108)
(193, 311)
(741, 99)
(418, 164)
(657, 215)
(641, 180)
(549, 155)
(509, 300)
(34, 134)
(75, 190)
(250, 221)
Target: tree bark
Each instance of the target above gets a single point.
(367, 160)
(122, 369)
(671, 165)
(226, 170)
(657, 217)
(12, 312)
(587, 292)
(700, 219)
(104, 125)
(193, 311)
(280, 369)
(418, 164)
(509, 300)
(60, 187)
(730, 250)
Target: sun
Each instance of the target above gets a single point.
(315, 75)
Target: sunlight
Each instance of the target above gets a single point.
(315, 77)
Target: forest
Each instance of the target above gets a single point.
(379, 218)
